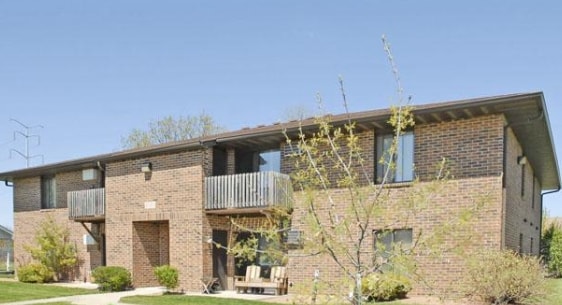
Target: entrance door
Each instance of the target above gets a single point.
(219, 257)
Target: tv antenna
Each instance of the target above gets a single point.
(27, 136)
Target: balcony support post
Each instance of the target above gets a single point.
(90, 232)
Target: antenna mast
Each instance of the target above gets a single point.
(27, 135)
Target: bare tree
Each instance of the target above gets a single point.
(346, 215)
(171, 129)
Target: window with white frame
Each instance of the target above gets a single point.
(401, 163)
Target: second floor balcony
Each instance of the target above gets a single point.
(86, 205)
(247, 193)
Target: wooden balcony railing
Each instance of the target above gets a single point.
(86, 204)
(246, 191)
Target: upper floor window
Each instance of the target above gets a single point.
(48, 192)
(403, 160)
(269, 160)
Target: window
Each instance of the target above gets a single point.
(48, 192)
(270, 160)
(403, 159)
(385, 241)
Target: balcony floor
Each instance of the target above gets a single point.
(92, 219)
(240, 211)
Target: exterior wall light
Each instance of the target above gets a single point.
(146, 167)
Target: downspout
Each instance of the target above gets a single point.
(6, 182)
(504, 176)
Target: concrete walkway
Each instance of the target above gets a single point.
(95, 299)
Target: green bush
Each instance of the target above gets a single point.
(502, 277)
(54, 249)
(167, 276)
(111, 278)
(555, 254)
(385, 286)
(35, 273)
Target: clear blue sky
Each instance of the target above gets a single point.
(89, 71)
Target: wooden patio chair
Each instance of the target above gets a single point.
(242, 283)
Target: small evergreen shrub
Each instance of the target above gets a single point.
(35, 273)
(385, 286)
(112, 278)
(167, 276)
(505, 277)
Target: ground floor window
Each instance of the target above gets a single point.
(387, 241)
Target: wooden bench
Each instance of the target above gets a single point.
(277, 280)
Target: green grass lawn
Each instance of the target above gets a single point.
(183, 299)
(555, 292)
(12, 291)
(554, 298)
(202, 300)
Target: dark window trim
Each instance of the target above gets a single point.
(379, 155)
(48, 201)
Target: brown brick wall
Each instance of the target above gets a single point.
(365, 172)
(175, 188)
(473, 147)
(520, 215)
(72, 181)
(441, 269)
(165, 207)
(27, 195)
(28, 216)
(26, 225)
(150, 250)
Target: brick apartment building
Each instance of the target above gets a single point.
(159, 205)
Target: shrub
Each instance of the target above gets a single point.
(35, 273)
(385, 286)
(167, 276)
(53, 248)
(555, 254)
(111, 278)
(502, 277)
